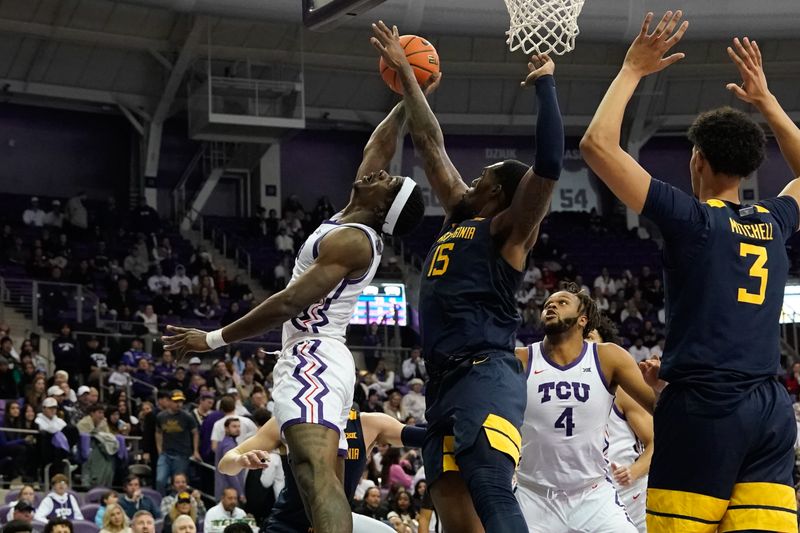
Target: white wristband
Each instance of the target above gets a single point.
(214, 339)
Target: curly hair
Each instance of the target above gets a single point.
(587, 306)
(731, 141)
(607, 330)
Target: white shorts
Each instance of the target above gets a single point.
(314, 382)
(594, 509)
(634, 498)
(365, 524)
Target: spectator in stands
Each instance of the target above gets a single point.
(55, 217)
(414, 366)
(204, 305)
(414, 402)
(233, 314)
(606, 284)
(22, 511)
(280, 274)
(630, 311)
(87, 397)
(133, 500)
(180, 485)
(77, 215)
(181, 506)
(222, 481)
(403, 512)
(94, 421)
(371, 505)
(323, 211)
(183, 524)
(393, 469)
(177, 439)
(165, 369)
(382, 379)
(284, 242)
(66, 352)
(239, 290)
(58, 525)
(109, 498)
(143, 522)
(149, 318)
(539, 293)
(145, 218)
(223, 513)
(180, 279)
(372, 340)
(136, 265)
(27, 496)
(136, 352)
(157, 281)
(18, 526)
(394, 405)
(34, 216)
(121, 298)
(228, 407)
(59, 503)
(259, 399)
(8, 386)
(639, 351)
(220, 378)
(115, 520)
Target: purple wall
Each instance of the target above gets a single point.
(61, 152)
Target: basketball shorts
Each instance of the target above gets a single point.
(634, 498)
(314, 382)
(485, 393)
(593, 509)
(729, 472)
(361, 524)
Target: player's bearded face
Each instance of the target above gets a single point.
(559, 325)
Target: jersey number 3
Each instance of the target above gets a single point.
(440, 260)
(758, 270)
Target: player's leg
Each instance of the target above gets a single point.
(315, 464)
(763, 498)
(453, 504)
(690, 480)
(634, 498)
(599, 510)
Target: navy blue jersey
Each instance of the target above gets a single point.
(725, 269)
(466, 302)
(288, 514)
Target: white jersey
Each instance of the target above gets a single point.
(564, 439)
(623, 445)
(329, 316)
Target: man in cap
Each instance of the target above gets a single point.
(177, 439)
(241, 410)
(34, 215)
(414, 401)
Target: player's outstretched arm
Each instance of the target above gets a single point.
(380, 428)
(422, 124)
(754, 90)
(253, 453)
(520, 222)
(600, 145)
(621, 370)
(382, 144)
(344, 253)
(642, 424)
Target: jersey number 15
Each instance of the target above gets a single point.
(758, 270)
(440, 260)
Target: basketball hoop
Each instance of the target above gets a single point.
(543, 26)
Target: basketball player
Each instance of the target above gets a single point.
(724, 427)
(630, 440)
(563, 483)
(476, 393)
(315, 375)
(363, 432)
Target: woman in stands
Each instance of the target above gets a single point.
(33, 462)
(182, 506)
(109, 498)
(37, 393)
(26, 494)
(115, 520)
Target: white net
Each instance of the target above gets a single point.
(543, 26)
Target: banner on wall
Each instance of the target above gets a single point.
(575, 191)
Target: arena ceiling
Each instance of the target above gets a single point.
(133, 57)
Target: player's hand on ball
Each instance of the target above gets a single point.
(622, 474)
(255, 460)
(387, 42)
(432, 84)
(747, 58)
(539, 65)
(646, 54)
(185, 341)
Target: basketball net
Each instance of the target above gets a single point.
(543, 26)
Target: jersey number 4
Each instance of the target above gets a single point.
(758, 270)
(565, 421)
(440, 260)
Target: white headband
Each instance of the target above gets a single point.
(397, 205)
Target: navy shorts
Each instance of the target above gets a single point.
(723, 472)
(486, 392)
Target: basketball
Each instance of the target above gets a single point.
(423, 58)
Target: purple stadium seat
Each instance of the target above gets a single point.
(89, 511)
(95, 495)
(4, 513)
(84, 526)
(159, 525)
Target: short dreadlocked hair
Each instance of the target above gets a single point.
(607, 329)
(587, 306)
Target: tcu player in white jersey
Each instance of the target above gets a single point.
(563, 483)
(630, 438)
(315, 374)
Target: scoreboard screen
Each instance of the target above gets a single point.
(790, 313)
(380, 302)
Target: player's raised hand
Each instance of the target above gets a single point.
(185, 341)
(746, 56)
(646, 54)
(432, 84)
(387, 42)
(539, 65)
(622, 474)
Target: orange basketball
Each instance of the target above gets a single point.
(423, 58)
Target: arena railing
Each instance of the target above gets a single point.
(223, 244)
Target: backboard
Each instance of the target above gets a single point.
(324, 15)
